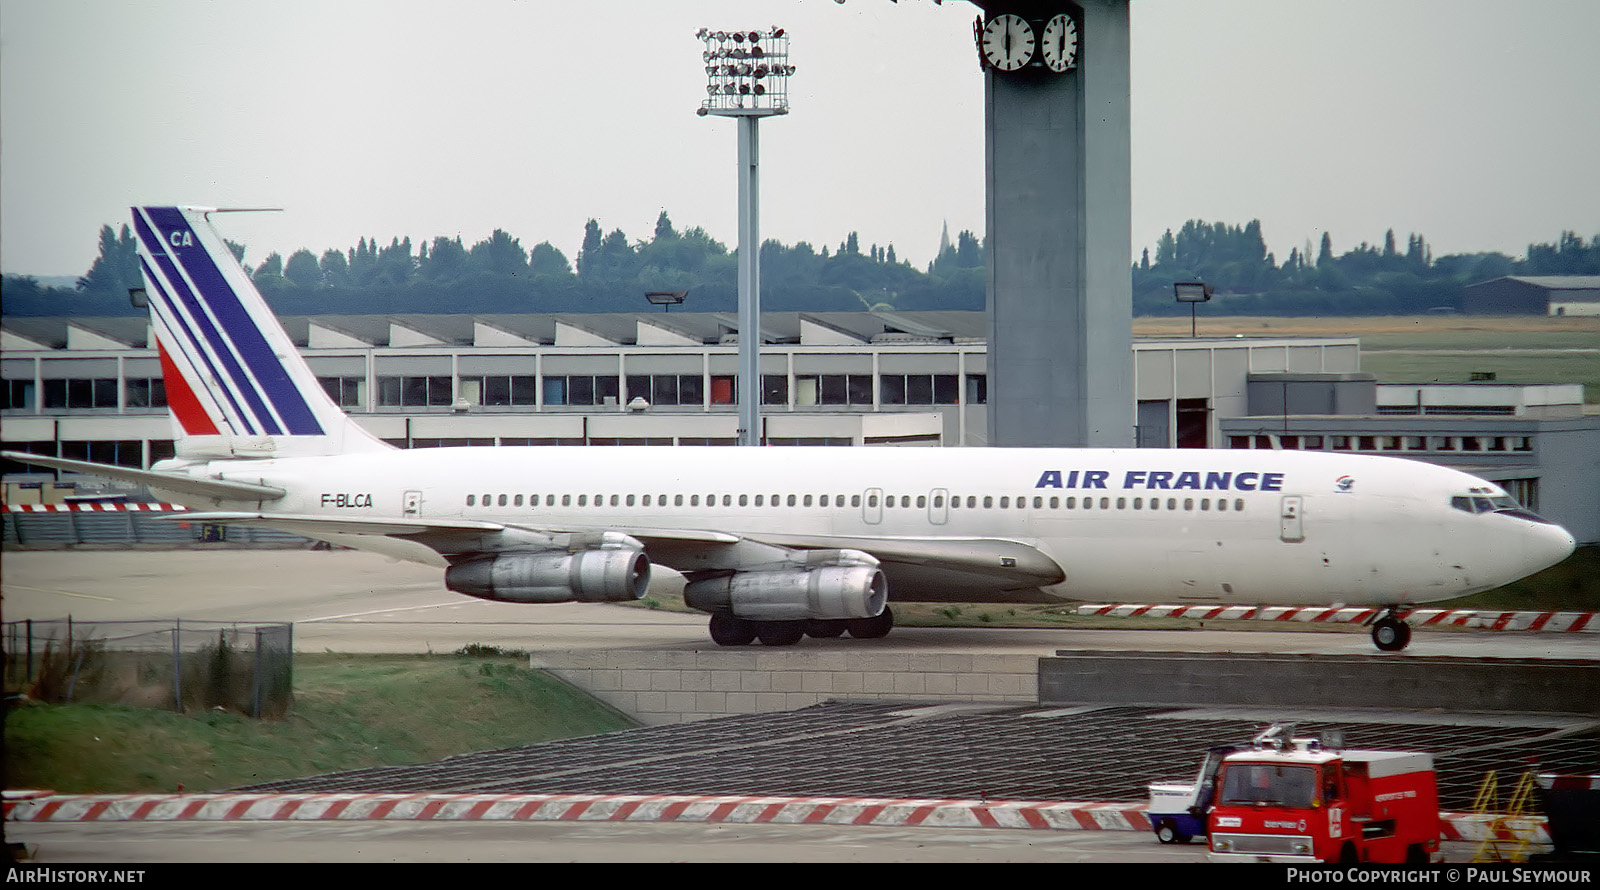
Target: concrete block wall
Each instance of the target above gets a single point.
(674, 686)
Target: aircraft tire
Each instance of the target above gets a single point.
(1391, 634)
(780, 633)
(825, 630)
(728, 630)
(872, 628)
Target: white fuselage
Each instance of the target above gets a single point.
(1131, 525)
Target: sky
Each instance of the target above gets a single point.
(1475, 123)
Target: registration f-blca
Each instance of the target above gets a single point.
(777, 543)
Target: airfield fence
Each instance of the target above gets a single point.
(177, 665)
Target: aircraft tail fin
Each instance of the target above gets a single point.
(236, 386)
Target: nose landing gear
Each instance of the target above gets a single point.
(1391, 633)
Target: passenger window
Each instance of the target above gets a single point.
(922, 501)
(791, 500)
(1122, 503)
(972, 502)
(472, 500)
(855, 500)
(647, 500)
(502, 500)
(1105, 503)
(1172, 503)
(516, 501)
(744, 500)
(938, 502)
(694, 501)
(727, 500)
(1005, 502)
(1205, 505)
(1055, 503)
(583, 500)
(761, 500)
(872, 501)
(807, 501)
(630, 499)
(1138, 503)
(1188, 503)
(566, 500)
(1222, 504)
(824, 501)
(677, 500)
(988, 501)
(1072, 503)
(1238, 504)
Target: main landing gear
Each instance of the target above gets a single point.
(1391, 633)
(729, 630)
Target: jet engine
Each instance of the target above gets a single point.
(856, 589)
(587, 576)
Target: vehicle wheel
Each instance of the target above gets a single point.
(727, 630)
(872, 628)
(823, 630)
(1167, 833)
(1391, 634)
(1416, 855)
(780, 633)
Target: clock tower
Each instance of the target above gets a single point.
(1059, 221)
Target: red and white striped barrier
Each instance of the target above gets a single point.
(1053, 815)
(578, 808)
(1569, 622)
(94, 507)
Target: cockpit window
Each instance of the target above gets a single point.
(1501, 504)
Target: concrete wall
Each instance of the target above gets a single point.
(1342, 681)
(672, 686)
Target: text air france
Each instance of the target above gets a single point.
(1162, 480)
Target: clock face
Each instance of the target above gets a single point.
(1007, 42)
(1060, 44)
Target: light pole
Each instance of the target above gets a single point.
(1191, 292)
(747, 77)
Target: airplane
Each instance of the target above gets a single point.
(779, 544)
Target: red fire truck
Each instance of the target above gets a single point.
(1295, 800)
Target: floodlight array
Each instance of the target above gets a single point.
(747, 72)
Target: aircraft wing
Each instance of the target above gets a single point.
(927, 565)
(198, 486)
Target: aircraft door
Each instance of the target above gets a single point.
(872, 506)
(1290, 527)
(411, 505)
(938, 506)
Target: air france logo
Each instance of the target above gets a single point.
(1162, 480)
(1345, 484)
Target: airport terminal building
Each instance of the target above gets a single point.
(90, 388)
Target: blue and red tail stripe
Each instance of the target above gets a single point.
(213, 324)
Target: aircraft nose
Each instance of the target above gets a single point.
(1544, 546)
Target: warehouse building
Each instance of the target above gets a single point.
(1533, 295)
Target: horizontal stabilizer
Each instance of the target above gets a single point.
(218, 489)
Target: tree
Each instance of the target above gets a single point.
(116, 269)
(302, 270)
(664, 228)
(545, 259)
(589, 254)
(271, 267)
(500, 254)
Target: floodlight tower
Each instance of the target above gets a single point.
(747, 77)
